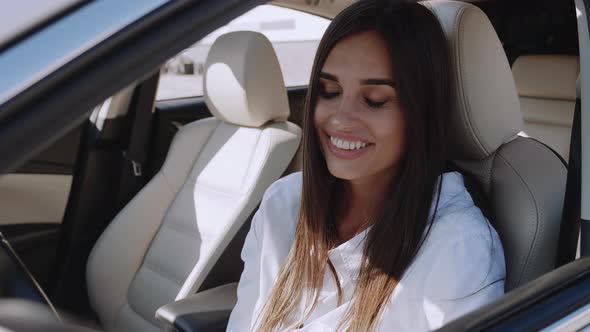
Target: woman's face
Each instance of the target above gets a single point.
(357, 117)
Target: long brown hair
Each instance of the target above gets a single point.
(421, 63)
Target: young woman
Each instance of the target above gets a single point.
(372, 235)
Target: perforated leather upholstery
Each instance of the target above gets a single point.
(164, 242)
(522, 180)
(546, 87)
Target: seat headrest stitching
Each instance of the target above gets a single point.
(531, 198)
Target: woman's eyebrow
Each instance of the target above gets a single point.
(328, 76)
(378, 81)
(368, 81)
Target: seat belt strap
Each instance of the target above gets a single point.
(133, 172)
(142, 108)
(570, 221)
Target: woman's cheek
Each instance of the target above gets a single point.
(320, 114)
(389, 127)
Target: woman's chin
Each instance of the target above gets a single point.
(344, 173)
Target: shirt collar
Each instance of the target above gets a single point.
(347, 257)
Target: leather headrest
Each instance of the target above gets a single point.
(486, 111)
(243, 83)
(547, 76)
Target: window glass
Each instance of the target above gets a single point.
(295, 36)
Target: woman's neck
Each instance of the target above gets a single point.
(361, 199)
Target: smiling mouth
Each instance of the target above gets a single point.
(347, 149)
(347, 145)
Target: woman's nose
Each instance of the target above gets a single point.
(345, 115)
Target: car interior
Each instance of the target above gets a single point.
(134, 221)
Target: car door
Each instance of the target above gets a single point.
(33, 200)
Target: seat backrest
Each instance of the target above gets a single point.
(161, 246)
(546, 86)
(522, 180)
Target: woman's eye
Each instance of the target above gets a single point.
(374, 104)
(325, 94)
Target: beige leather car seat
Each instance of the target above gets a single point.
(162, 245)
(522, 181)
(546, 87)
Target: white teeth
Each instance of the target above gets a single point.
(346, 145)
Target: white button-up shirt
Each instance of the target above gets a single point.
(459, 267)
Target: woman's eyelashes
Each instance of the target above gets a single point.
(328, 93)
(375, 104)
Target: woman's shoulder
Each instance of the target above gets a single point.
(285, 190)
(461, 247)
(279, 209)
(456, 215)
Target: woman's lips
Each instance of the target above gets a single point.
(350, 150)
(345, 137)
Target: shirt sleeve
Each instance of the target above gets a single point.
(268, 242)
(249, 284)
(466, 274)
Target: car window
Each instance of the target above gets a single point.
(295, 36)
